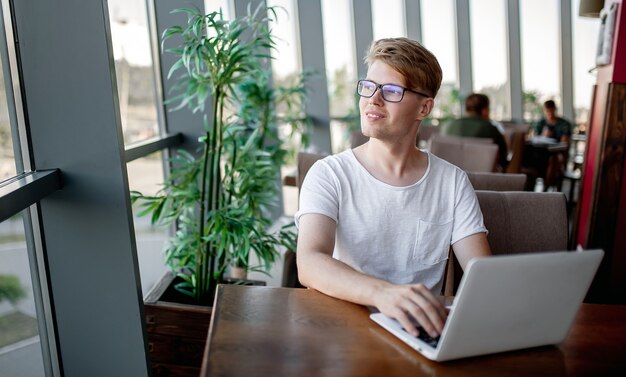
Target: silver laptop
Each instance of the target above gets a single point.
(508, 302)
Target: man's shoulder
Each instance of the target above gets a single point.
(471, 126)
(339, 162)
(440, 166)
(564, 122)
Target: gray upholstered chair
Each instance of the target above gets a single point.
(305, 161)
(425, 133)
(518, 222)
(357, 138)
(515, 136)
(290, 268)
(461, 139)
(497, 181)
(468, 153)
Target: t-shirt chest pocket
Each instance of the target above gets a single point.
(432, 243)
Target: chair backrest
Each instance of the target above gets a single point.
(518, 222)
(461, 139)
(515, 136)
(425, 133)
(290, 271)
(305, 161)
(497, 181)
(357, 138)
(290, 267)
(470, 154)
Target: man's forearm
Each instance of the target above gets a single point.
(334, 278)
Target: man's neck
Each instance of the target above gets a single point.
(397, 164)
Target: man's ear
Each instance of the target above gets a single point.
(426, 108)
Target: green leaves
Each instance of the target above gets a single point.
(218, 200)
(216, 54)
(10, 289)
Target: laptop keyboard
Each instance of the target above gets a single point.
(424, 337)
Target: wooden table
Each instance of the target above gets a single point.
(257, 331)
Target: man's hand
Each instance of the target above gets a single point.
(409, 304)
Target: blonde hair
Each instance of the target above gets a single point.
(420, 67)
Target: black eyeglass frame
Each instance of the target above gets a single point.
(380, 86)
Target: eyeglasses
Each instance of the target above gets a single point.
(390, 92)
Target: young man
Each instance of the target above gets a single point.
(553, 126)
(376, 222)
(476, 123)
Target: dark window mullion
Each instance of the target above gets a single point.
(150, 146)
(29, 188)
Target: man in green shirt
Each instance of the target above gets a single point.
(476, 123)
(553, 126)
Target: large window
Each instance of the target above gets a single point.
(145, 175)
(539, 27)
(388, 18)
(286, 67)
(438, 31)
(138, 110)
(134, 69)
(340, 68)
(489, 54)
(20, 348)
(7, 158)
(20, 344)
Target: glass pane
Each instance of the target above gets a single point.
(489, 55)
(20, 348)
(439, 33)
(214, 5)
(133, 69)
(285, 62)
(286, 68)
(146, 175)
(7, 157)
(585, 35)
(388, 19)
(340, 64)
(539, 28)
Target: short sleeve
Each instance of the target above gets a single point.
(468, 219)
(567, 128)
(319, 192)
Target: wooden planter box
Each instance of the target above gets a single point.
(177, 329)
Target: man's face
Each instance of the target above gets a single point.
(391, 121)
(549, 112)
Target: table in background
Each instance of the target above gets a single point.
(538, 158)
(258, 331)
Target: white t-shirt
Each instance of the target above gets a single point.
(398, 234)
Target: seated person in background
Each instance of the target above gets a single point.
(553, 126)
(476, 123)
(559, 130)
(376, 222)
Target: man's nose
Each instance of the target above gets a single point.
(377, 98)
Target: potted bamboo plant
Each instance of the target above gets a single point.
(219, 199)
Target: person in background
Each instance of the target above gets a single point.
(476, 123)
(376, 222)
(552, 126)
(559, 130)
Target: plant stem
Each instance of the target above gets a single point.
(201, 270)
(218, 171)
